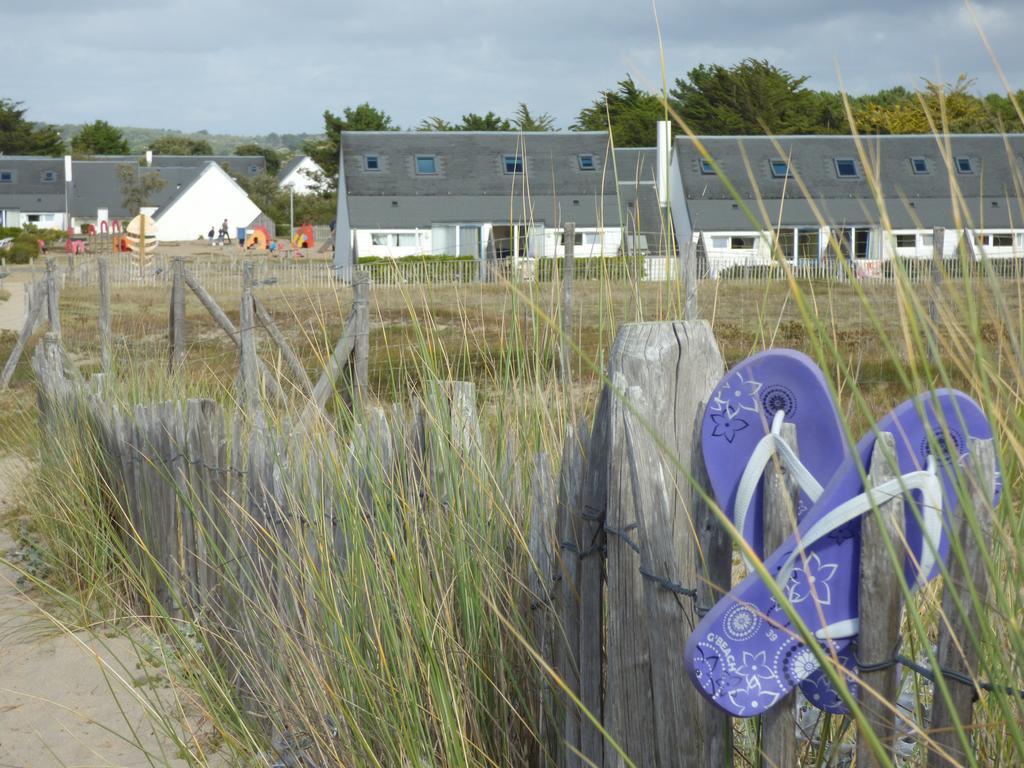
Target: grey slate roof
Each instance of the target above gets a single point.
(95, 184)
(912, 201)
(289, 166)
(471, 185)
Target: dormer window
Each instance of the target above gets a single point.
(371, 162)
(964, 165)
(920, 165)
(587, 162)
(780, 169)
(846, 168)
(513, 163)
(426, 165)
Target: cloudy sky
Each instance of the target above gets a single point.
(253, 66)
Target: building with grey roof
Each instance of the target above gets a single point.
(484, 194)
(33, 191)
(814, 197)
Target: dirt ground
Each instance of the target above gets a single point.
(66, 698)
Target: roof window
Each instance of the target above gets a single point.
(920, 165)
(587, 162)
(7, 177)
(371, 162)
(780, 169)
(846, 168)
(706, 168)
(426, 165)
(513, 163)
(964, 165)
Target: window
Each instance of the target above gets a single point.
(371, 163)
(807, 243)
(7, 177)
(919, 164)
(407, 240)
(48, 177)
(706, 168)
(426, 165)
(742, 243)
(513, 163)
(587, 162)
(964, 165)
(254, 169)
(780, 169)
(906, 241)
(846, 168)
(719, 243)
(379, 238)
(577, 238)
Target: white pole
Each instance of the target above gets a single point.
(291, 211)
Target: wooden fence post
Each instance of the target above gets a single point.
(248, 372)
(361, 350)
(52, 298)
(593, 510)
(689, 271)
(176, 329)
(104, 319)
(957, 651)
(568, 274)
(572, 548)
(780, 496)
(676, 365)
(880, 601)
(542, 518)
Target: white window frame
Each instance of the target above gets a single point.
(376, 160)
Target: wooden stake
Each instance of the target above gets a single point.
(568, 273)
(104, 319)
(880, 603)
(957, 650)
(779, 495)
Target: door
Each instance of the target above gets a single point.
(469, 241)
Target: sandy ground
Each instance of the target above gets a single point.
(12, 311)
(64, 698)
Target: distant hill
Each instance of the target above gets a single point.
(222, 143)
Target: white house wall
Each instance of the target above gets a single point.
(384, 243)
(300, 178)
(213, 197)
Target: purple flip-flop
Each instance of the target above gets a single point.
(740, 435)
(744, 655)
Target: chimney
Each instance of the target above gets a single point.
(664, 148)
(149, 157)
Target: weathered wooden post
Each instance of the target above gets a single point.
(361, 351)
(779, 497)
(572, 548)
(689, 271)
(104, 319)
(675, 365)
(542, 518)
(568, 273)
(248, 371)
(880, 601)
(957, 650)
(176, 330)
(52, 298)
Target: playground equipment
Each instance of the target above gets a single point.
(258, 240)
(303, 237)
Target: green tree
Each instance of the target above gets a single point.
(138, 186)
(274, 201)
(632, 113)
(19, 136)
(325, 152)
(750, 98)
(948, 107)
(435, 123)
(488, 122)
(525, 121)
(180, 144)
(99, 138)
(253, 150)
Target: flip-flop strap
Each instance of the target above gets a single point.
(770, 445)
(926, 481)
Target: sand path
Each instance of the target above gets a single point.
(12, 311)
(61, 700)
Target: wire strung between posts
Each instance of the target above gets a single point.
(929, 674)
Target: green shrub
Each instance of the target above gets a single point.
(594, 267)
